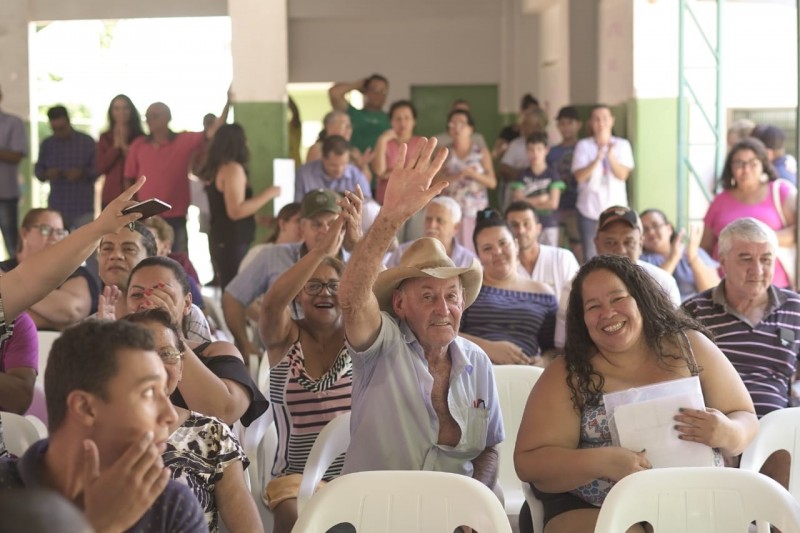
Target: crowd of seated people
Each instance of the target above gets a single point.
(353, 313)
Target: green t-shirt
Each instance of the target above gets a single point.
(367, 126)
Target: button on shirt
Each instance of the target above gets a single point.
(312, 176)
(393, 424)
(13, 138)
(176, 509)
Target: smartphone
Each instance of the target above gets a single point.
(148, 208)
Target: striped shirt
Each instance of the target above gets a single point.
(303, 406)
(765, 354)
(527, 319)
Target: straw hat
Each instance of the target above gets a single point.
(427, 257)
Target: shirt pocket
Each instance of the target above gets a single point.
(477, 428)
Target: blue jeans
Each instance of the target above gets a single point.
(588, 229)
(9, 215)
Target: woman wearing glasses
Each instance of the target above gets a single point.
(311, 371)
(202, 451)
(73, 300)
(215, 380)
(751, 188)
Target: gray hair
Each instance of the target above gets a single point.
(747, 229)
(451, 204)
(331, 117)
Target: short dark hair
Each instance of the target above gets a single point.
(488, 218)
(772, 136)
(661, 323)
(375, 77)
(335, 144)
(159, 316)
(148, 240)
(84, 357)
(58, 111)
(464, 112)
(166, 262)
(521, 205)
(527, 101)
(537, 137)
(401, 104)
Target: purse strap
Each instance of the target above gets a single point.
(776, 199)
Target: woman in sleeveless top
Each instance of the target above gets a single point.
(231, 201)
(622, 332)
(311, 371)
(215, 381)
(202, 452)
(513, 319)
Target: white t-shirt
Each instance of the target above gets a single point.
(665, 280)
(602, 189)
(517, 154)
(554, 267)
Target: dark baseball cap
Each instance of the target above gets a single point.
(568, 112)
(619, 213)
(320, 201)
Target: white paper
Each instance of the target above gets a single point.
(643, 419)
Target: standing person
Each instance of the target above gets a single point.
(515, 159)
(602, 164)
(775, 141)
(13, 148)
(469, 173)
(403, 116)
(370, 121)
(165, 157)
(338, 123)
(66, 160)
(560, 158)
(124, 127)
(541, 186)
(751, 188)
(230, 196)
(512, 131)
(423, 397)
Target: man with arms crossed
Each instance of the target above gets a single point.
(109, 417)
(403, 338)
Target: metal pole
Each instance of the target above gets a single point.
(682, 207)
(722, 141)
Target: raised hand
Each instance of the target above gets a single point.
(352, 205)
(139, 474)
(107, 301)
(410, 185)
(695, 236)
(111, 219)
(332, 241)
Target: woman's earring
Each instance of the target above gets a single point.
(764, 177)
(733, 182)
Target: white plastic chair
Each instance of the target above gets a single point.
(689, 500)
(41, 429)
(18, 433)
(536, 507)
(779, 430)
(262, 378)
(332, 441)
(514, 385)
(395, 501)
(46, 340)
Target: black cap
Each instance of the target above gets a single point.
(619, 213)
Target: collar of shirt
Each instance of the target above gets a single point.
(459, 362)
(776, 299)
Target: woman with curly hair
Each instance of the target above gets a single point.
(622, 332)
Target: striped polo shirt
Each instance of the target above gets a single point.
(764, 354)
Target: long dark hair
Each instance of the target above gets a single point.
(229, 145)
(758, 148)
(134, 121)
(661, 324)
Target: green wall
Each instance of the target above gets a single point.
(267, 136)
(653, 126)
(433, 103)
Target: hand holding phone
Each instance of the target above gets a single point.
(148, 208)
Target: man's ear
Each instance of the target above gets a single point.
(397, 302)
(82, 406)
(187, 308)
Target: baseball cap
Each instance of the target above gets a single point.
(619, 213)
(319, 201)
(568, 112)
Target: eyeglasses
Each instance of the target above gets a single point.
(653, 227)
(313, 288)
(170, 356)
(753, 164)
(46, 230)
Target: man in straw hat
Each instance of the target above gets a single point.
(423, 398)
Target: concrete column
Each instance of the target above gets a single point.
(259, 47)
(15, 77)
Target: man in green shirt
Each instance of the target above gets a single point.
(369, 122)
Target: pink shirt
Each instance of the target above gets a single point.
(166, 167)
(724, 209)
(22, 349)
(392, 156)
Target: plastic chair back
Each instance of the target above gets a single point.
(259, 441)
(332, 441)
(779, 430)
(536, 507)
(514, 385)
(18, 433)
(46, 340)
(401, 501)
(688, 500)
